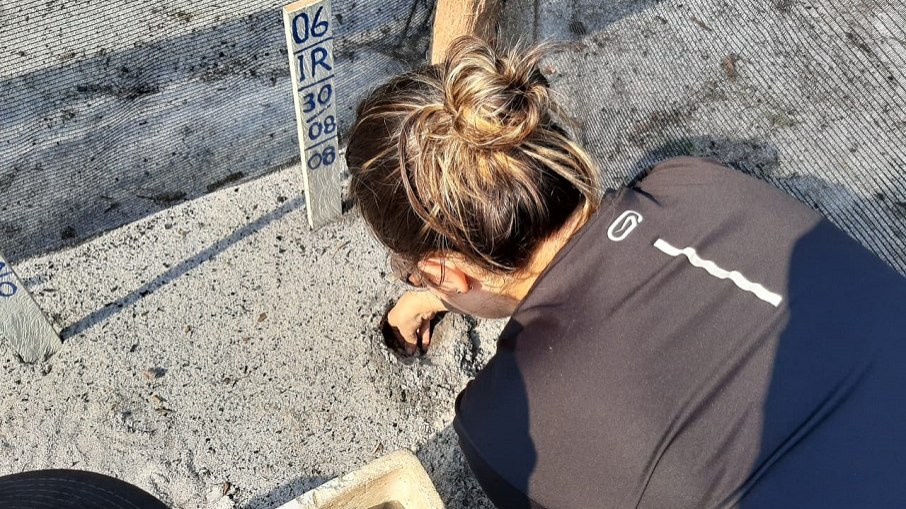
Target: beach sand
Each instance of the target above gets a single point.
(221, 354)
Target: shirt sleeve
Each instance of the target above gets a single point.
(492, 423)
(501, 492)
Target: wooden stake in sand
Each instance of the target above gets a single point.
(454, 18)
(22, 322)
(309, 39)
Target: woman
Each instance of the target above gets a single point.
(696, 339)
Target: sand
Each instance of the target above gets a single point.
(221, 354)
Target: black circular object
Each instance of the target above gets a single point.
(71, 489)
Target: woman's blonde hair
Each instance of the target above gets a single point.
(466, 156)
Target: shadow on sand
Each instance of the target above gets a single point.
(116, 135)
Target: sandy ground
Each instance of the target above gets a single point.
(115, 110)
(220, 354)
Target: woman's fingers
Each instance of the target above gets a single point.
(410, 319)
(417, 336)
(425, 334)
(410, 340)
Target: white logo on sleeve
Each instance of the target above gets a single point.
(712, 268)
(623, 226)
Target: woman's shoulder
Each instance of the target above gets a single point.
(706, 184)
(689, 169)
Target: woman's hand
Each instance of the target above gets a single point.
(410, 319)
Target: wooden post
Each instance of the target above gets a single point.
(309, 40)
(22, 322)
(453, 18)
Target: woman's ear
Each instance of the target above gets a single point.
(445, 275)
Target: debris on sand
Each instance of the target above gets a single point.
(154, 373)
(729, 64)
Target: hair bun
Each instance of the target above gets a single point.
(496, 99)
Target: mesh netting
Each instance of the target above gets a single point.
(808, 95)
(113, 110)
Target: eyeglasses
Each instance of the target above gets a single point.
(411, 279)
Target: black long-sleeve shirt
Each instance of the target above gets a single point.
(705, 340)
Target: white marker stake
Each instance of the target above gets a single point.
(22, 322)
(309, 39)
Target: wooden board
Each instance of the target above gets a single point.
(309, 40)
(22, 323)
(395, 481)
(454, 18)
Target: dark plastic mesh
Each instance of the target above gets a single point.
(808, 95)
(112, 110)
